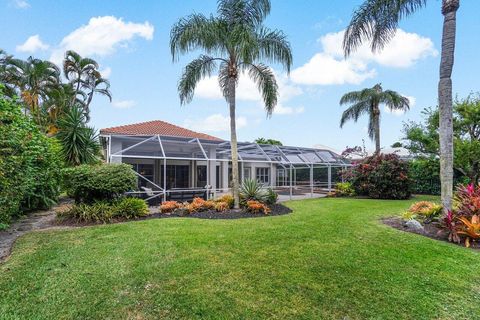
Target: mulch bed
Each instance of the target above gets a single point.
(431, 230)
(277, 210)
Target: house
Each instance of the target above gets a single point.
(177, 163)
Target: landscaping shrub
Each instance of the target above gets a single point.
(251, 190)
(130, 208)
(271, 197)
(423, 211)
(89, 183)
(169, 206)
(425, 176)
(344, 189)
(463, 221)
(227, 198)
(221, 206)
(382, 176)
(30, 164)
(254, 206)
(106, 211)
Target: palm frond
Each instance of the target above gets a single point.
(395, 101)
(355, 111)
(264, 77)
(197, 31)
(246, 12)
(274, 47)
(377, 21)
(192, 74)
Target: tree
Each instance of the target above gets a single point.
(79, 142)
(85, 78)
(368, 101)
(377, 21)
(234, 42)
(422, 138)
(268, 141)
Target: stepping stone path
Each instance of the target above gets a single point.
(37, 220)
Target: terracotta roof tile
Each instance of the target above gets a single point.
(157, 127)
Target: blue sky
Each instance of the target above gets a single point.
(130, 41)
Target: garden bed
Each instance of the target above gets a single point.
(430, 230)
(277, 210)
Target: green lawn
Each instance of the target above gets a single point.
(330, 259)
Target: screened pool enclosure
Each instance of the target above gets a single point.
(172, 167)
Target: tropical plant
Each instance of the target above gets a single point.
(29, 163)
(85, 78)
(169, 206)
(254, 206)
(268, 141)
(236, 42)
(344, 189)
(271, 197)
(251, 189)
(227, 198)
(79, 142)
(89, 183)
(368, 101)
(34, 79)
(377, 21)
(426, 209)
(130, 208)
(381, 176)
(470, 229)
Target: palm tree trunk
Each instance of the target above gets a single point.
(233, 142)
(376, 124)
(449, 10)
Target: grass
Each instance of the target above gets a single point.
(330, 259)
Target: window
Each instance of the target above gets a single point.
(247, 173)
(177, 177)
(263, 175)
(201, 176)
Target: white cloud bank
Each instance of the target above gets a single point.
(247, 90)
(102, 36)
(32, 45)
(329, 66)
(214, 123)
(21, 4)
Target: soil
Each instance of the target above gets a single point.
(432, 230)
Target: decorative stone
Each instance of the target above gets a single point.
(414, 225)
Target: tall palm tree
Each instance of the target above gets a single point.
(85, 78)
(368, 101)
(376, 21)
(235, 41)
(34, 80)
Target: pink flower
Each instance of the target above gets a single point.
(470, 189)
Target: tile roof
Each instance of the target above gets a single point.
(157, 127)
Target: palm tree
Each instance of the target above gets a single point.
(368, 101)
(235, 42)
(79, 142)
(34, 79)
(85, 78)
(377, 20)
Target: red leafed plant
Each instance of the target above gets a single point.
(467, 201)
(470, 229)
(169, 206)
(257, 207)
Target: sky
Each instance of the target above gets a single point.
(130, 40)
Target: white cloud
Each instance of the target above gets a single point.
(412, 102)
(102, 36)
(247, 90)
(329, 66)
(21, 4)
(106, 72)
(32, 44)
(123, 104)
(214, 123)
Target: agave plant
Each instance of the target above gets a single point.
(252, 190)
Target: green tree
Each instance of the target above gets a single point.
(268, 141)
(234, 41)
(85, 78)
(377, 21)
(367, 102)
(79, 142)
(422, 138)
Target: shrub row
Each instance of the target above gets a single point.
(105, 211)
(30, 164)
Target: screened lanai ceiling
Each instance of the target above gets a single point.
(162, 147)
